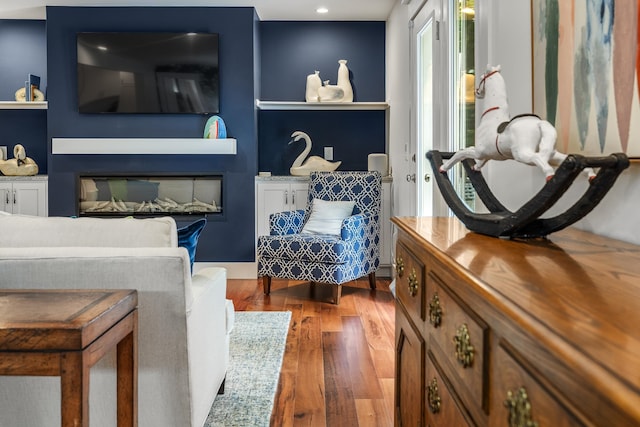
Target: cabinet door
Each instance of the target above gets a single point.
(30, 198)
(271, 197)
(410, 372)
(6, 197)
(299, 194)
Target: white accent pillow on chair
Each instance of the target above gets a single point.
(326, 217)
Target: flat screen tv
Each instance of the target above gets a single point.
(122, 72)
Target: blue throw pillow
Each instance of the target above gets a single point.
(188, 237)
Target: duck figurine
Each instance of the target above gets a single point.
(313, 163)
(20, 165)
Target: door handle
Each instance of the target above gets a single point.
(411, 177)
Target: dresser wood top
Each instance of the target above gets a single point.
(576, 291)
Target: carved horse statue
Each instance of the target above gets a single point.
(525, 138)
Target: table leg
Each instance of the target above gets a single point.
(127, 377)
(74, 387)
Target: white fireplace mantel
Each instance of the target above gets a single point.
(143, 146)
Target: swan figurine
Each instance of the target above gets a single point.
(313, 163)
(20, 164)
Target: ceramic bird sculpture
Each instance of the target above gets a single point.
(20, 165)
(313, 163)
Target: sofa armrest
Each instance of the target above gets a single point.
(352, 225)
(207, 336)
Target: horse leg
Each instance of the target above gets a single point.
(467, 153)
(545, 166)
(558, 158)
(479, 164)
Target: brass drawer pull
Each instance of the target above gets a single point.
(413, 283)
(519, 409)
(433, 396)
(464, 349)
(400, 266)
(435, 311)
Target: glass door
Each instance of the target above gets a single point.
(462, 95)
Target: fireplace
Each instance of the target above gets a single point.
(149, 195)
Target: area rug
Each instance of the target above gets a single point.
(257, 347)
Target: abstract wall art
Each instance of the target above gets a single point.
(586, 73)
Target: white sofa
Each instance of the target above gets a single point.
(184, 320)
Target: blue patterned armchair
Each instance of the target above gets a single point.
(325, 258)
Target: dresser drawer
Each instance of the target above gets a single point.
(516, 394)
(459, 340)
(441, 407)
(410, 283)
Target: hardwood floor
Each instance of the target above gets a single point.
(338, 365)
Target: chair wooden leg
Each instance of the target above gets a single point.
(372, 280)
(338, 294)
(266, 284)
(312, 289)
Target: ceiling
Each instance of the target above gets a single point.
(268, 10)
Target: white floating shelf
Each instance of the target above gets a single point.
(314, 106)
(143, 146)
(18, 105)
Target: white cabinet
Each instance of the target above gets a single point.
(278, 195)
(24, 196)
(283, 193)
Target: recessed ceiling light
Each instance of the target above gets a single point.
(102, 47)
(322, 10)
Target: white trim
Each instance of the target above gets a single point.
(23, 105)
(286, 105)
(142, 146)
(235, 270)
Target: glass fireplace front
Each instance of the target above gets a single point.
(149, 195)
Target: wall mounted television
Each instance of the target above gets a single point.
(148, 72)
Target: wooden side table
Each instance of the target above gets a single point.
(64, 333)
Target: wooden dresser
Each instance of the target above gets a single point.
(496, 332)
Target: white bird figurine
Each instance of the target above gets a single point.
(313, 163)
(20, 164)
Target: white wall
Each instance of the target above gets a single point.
(504, 37)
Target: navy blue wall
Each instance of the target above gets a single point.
(259, 60)
(22, 52)
(229, 237)
(291, 51)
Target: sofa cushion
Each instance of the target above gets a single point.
(30, 231)
(308, 247)
(188, 237)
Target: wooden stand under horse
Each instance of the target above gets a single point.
(525, 138)
(530, 140)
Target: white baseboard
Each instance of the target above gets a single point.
(235, 270)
